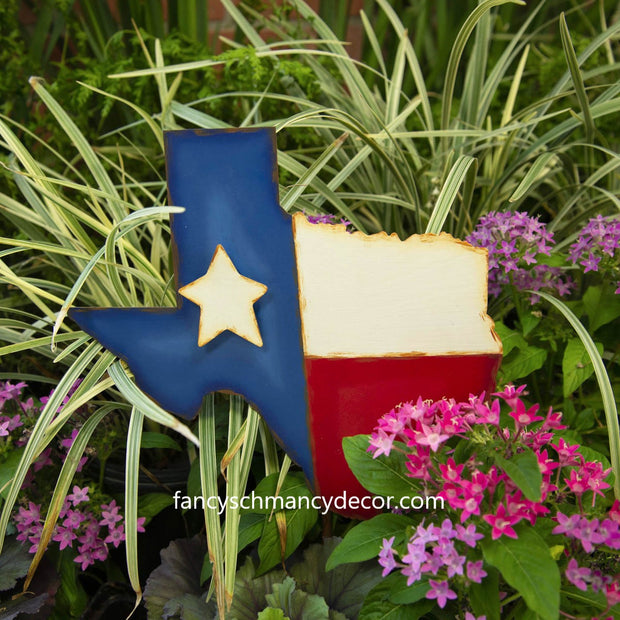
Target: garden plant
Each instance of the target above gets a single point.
(499, 127)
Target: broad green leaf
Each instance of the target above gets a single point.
(385, 475)
(176, 576)
(152, 504)
(343, 588)
(365, 539)
(526, 564)
(272, 614)
(484, 597)
(250, 528)
(158, 440)
(522, 363)
(509, 337)
(8, 468)
(14, 563)
(524, 471)
(298, 524)
(379, 604)
(250, 591)
(601, 305)
(577, 366)
(295, 603)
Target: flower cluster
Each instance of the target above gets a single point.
(596, 247)
(76, 524)
(433, 551)
(479, 489)
(515, 242)
(84, 525)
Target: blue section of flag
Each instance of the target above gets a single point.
(227, 183)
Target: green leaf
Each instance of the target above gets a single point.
(364, 541)
(297, 604)
(601, 305)
(577, 365)
(529, 321)
(250, 528)
(272, 614)
(250, 591)
(152, 504)
(8, 469)
(189, 607)
(509, 337)
(343, 588)
(484, 597)
(14, 563)
(299, 520)
(526, 564)
(524, 471)
(385, 475)
(522, 362)
(177, 575)
(158, 440)
(380, 604)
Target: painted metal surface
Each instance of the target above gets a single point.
(298, 318)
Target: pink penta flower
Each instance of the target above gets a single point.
(614, 511)
(568, 454)
(511, 394)
(116, 536)
(475, 572)
(110, 515)
(431, 436)
(79, 495)
(502, 523)
(440, 590)
(524, 416)
(73, 519)
(64, 536)
(451, 472)
(577, 482)
(612, 592)
(380, 443)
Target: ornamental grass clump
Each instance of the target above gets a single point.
(526, 517)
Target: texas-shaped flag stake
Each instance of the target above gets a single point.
(321, 330)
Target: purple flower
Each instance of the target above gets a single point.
(514, 241)
(475, 572)
(423, 536)
(577, 575)
(567, 525)
(441, 591)
(468, 535)
(386, 557)
(596, 247)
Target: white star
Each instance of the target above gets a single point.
(226, 300)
